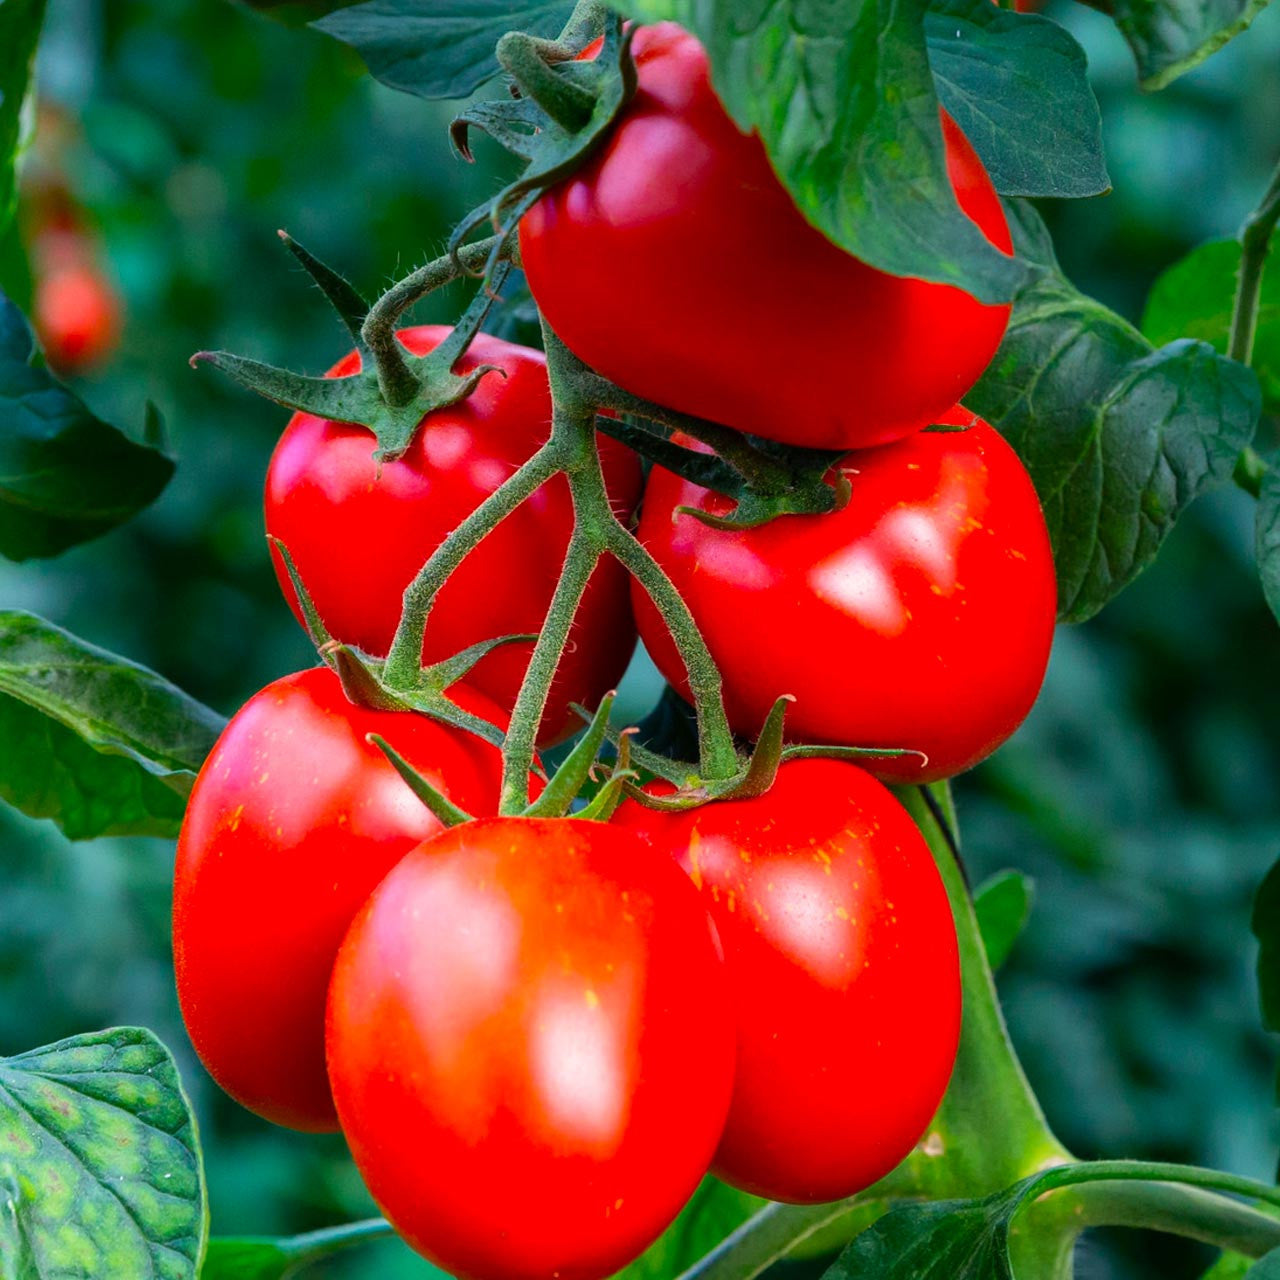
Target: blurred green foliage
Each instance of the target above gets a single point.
(1141, 796)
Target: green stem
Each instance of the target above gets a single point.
(1255, 242)
(717, 756)
(585, 23)
(396, 380)
(404, 660)
(522, 735)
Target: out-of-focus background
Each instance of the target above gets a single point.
(1143, 795)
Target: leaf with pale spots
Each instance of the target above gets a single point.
(100, 1170)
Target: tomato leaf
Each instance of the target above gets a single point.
(713, 1211)
(19, 31)
(65, 475)
(1267, 538)
(1169, 37)
(1119, 436)
(1018, 87)
(259, 1258)
(100, 1168)
(1002, 905)
(1194, 299)
(438, 48)
(1267, 1268)
(97, 743)
(844, 101)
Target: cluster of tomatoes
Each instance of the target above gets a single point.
(539, 1034)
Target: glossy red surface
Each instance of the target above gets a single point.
(531, 1047)
(920, 616)
(292, 822)
(359, 533)
(840, 946)
(676, 264)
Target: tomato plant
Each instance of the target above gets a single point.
(542, 1007)
(332, 503)
(840, 947)
(294, 819)
(678, 185)
(683, 967)
(933, 588)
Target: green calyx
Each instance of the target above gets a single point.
(394, 389)
(560, 111)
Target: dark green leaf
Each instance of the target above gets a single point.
(265, 1259)
(1018, 87)
(1118, 436)
(1266, 928)
(1169, 37)
(65, 476)
(711, 1214)
(1194, 299)
(295, 13)
(844, 100)
(1267, 538)
(100, 1169)
(438, 48)
(19, 30)
(945, 1240)
(1267, 1268)
(1002, 905)
(95, 742)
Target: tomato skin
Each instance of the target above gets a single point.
(920, 616)
(76, 314)
(676, 264)
(359, 533)
(531, 1048)
(292, 822)
(842, 952)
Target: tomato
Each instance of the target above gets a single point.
(920, 616)
(76, 315)
(292, 822)
(676, 264)
(841, 949)
(531, 1047)
(359, 531)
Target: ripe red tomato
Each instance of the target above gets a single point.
(531, 1047)
(676, 264)
(841, 949)
(920, 616)
(292, 822)
(359, 532)
(76, 315)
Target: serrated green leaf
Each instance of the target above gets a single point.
(844, 101)
(1018, 87)
(1266, 928)
(100, 1169)
(1118, 436)
(65, 475)
(19, 31)
(438, 48)
(1169, 37)
(1194, 299)
(97, 743)
(1002, 905)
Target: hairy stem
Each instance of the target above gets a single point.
(395, 378)
(404, 661)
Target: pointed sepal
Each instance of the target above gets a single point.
(317, 632)
(568, 780)
(440, 805)
(344, 297)
(441, 675)
(602, 806)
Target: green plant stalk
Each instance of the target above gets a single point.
(396, 380)
(1255, 242)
